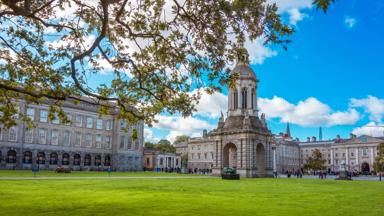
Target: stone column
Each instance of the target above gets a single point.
(274, 158)
(332, 159)
(347, 158)
(372, 155)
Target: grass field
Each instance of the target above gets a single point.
(210, 196)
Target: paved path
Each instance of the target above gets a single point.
(362, 178)
(104, 177)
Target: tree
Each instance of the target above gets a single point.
(184, 160)
(165, 146)
(315, 161)
(378, 165)
(157, 51)
(180, 139)
(149, 145)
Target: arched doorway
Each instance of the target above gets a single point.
(76, 160)
(27, 159)
(11, 157)
(230, 155)
(65, 160)
(97, 160)
(107, 161)
(260, 159)
(365, 167)
(87, 160)
(53, 158)
(41, 158)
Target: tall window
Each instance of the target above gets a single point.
(235, 99)
(129, 146)
(108, 125)
(56, 119)
(88, 140)
(78, 139)
(31, 113)
(244, 98)
(99, 124)
(66, 138)
(43, 116)
(122, 124)
(108, 142)
(89, 122)
(365, 151)
(79, 121)
(42, 136)
(55, 137)
(122, 141)
(69, 117)
(98, 141)
(12, 134)
(29, 135)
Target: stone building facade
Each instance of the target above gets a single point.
(355, 154)
(286, 153)
(155, 160)
(88, 142)
(200, 153)
(242, 140)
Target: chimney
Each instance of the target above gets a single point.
(313, 139)
(204, 133)
(308, 139)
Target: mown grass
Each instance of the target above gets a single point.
(211, 196)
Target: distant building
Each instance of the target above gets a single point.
(355, 153)
(182, 148)
(88, 142)
(200, 154)
(155, 160)
(287, 152)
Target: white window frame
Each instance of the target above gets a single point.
(43, 118)
(108, 125)
(88, 140)
(79, 120)
(108, 142)
(55, 140)
(42, 140)
(99, 124)
(89, 122)
(26, 136)
(29, 114)
(98, 140)
(122, 141)
(12, 138)
(56, 120)
(69, 138)
(78, 139)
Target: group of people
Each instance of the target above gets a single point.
(199, 171)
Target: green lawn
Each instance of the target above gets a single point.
(211, 196)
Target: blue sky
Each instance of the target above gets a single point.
(331, 76)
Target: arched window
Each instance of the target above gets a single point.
(107, 161)
(87, 160)
(65, 160)
(97, 160)
(76, 160)
(244, 98)
(53, 158)
(11, 156)
(41, 158)
(235, 99)
(253, 97)
(27, 159)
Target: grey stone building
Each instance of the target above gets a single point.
(88, 142)
(155, 160)
(242, 140)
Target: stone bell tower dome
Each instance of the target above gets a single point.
(242, 99)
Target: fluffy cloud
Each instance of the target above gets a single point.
(295, 16)
(211, 105)
(293, 8)
(149, 137)
(371, 129)
(258, 52)
(372, 105)
(177, 125)
(350, 22)
(310, 112)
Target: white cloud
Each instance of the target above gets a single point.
(350, 22)
(211, 105)
(295, 16)
(370, 129)
(177, 125)
(310, 112)
(372, 105)
(149, 137)
(258, 52)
